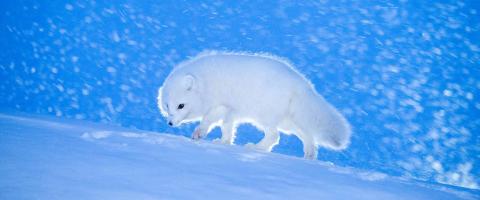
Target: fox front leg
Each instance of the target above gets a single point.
(271, 138)
(214, 115)
(228, 130)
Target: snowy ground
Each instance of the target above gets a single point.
(404, 73)
(48, 158)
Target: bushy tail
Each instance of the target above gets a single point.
(316, 117)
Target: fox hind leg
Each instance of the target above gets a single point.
(228, 131)
(310, 150)
(271, 138)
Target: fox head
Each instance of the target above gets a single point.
(179, 100)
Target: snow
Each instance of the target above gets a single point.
(404, 73)
(53, 158)
(68, 7)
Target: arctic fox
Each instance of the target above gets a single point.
(227, 89)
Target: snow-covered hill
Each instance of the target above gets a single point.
(404, 73)
(49, 158)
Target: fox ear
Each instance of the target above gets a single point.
(188, 82)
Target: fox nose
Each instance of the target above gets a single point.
(170, 123)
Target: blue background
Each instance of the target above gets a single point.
(404, 73)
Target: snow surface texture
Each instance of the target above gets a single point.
(405, 74)
(48, 158)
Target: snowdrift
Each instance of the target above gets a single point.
(49, 158)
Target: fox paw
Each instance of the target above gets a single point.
(197, 134)
(250, 145)
(310, 155)
(221, 141)
(257, 147)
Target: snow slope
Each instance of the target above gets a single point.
(49, 158)
(406, 74)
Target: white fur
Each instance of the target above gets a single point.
(227, 89)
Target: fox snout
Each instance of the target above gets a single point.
(173, 122)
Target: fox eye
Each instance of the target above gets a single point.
(180, 106)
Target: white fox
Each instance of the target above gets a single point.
(227, 89)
